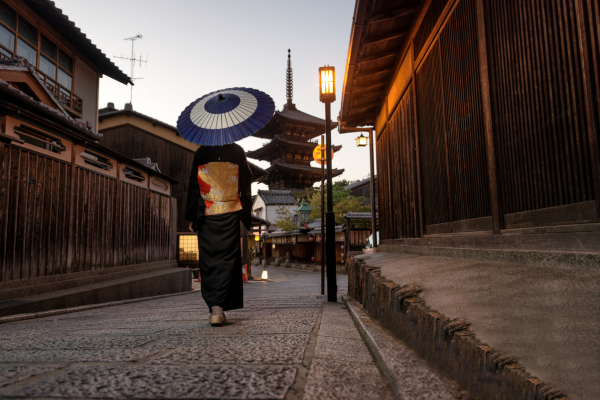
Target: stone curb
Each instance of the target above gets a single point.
(377, 351)
(446, 344)
(21, 317)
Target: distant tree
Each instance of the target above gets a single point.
(343, 202)
(350, 204)
(285, 219)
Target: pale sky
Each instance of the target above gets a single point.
(195, 47)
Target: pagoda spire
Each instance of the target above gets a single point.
(289, 76)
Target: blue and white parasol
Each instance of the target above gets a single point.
(225, 116)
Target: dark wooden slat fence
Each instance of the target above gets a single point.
(54, 220)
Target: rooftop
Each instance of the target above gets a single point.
(278, 140)
(358, 184)
(277, 197)
(68, 30)
(110, 111)
(379, 33)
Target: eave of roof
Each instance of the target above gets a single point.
(67, 28)
(358, 184)
(299, 168)
(104, 113)
(292, 117)
(257, 172)
(377, 38)
(277, 197)
(268, 147)
(24, 102)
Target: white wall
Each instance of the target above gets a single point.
(272, 211)
(86, 87)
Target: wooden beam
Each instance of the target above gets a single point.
(384, 38)
(358, 74)
(370, 85)
(401, 12)
(377, 57)
(487, 116)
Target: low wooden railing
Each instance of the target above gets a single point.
(66, 97)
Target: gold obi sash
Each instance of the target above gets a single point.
(219, 187)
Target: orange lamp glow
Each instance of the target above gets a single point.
(362, 141)
(319, 154)
(327, 84)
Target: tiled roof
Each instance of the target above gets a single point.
(269, 148)
(17, 64)
(358, 184)
(277, 197)
(68, 30)
(300, 168)
(295, 114)
(108, 112)
(359, 215)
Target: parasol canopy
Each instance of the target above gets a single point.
(225, 116)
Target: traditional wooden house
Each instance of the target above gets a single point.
(72, 212)
(289, 149)
(472, 137)
(362, 188)
(140, 137)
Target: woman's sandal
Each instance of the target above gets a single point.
(216, 320)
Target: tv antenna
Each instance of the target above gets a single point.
(134, 60)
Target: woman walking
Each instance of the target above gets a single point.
(219, 198)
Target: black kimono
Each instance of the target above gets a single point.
(219, 197)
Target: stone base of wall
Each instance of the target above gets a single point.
(93, 287)
(446, 344)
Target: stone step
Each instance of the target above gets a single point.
(147, 282)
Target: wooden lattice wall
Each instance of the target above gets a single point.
(497, 126)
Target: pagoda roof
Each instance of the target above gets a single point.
(291, 115)
(299, 169)
(278, 141)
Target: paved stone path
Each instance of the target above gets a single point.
(287, 343)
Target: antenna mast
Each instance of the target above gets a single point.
(133, 60)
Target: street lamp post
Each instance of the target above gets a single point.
(327, 96)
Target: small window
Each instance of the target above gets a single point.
(133, 174)
(47, 67)
(96, 160)
(7, 38)
(28, 31)
(64, 79)
(161, 184)
(48, 48)
(40, 139)
(8, 15)
(25, 50)
(188, 247)
(65, 61)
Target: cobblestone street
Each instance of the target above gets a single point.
(286, 343)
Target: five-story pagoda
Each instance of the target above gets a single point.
(290, 150)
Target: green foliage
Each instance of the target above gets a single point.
(285, 219)
(342, 202)
(349, 204)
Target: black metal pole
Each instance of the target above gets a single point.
(322, 217)
(330, 236)
(373, 215)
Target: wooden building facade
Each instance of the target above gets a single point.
(67, 203)
(486, 112)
